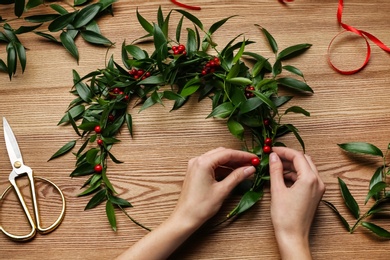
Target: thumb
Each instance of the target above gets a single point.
(276, 173)
(235, 177)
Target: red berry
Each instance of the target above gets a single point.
(111, 117)
(176, 52)
(204, 72)
(100, 142)
(184, 53)
(98, 168)
(181, 48)
(140, 72)
(174, 48)
(255, 161)
(266, 122)
(127, 97)
(116, 90)
(216, 60)
(268, 141)
(147, 74)
(267, 149)
(212, 63)
(97, 129)
(136, 77)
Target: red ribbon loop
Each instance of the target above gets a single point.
(365, 35)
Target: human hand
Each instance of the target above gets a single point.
(293, 207)
(202, 194)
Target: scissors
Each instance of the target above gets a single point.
(19, 169)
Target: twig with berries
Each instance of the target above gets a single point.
(246, 97)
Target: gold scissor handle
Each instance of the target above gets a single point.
(35, 225)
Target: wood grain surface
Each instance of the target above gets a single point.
(343, 109)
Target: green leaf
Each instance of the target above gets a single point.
(343, 221)
(293, 51)
(33, 3)
(83, 91)
(246, 202)
(191, 42)
(239, 53)
(215, 26)
(69, 44)
(294, 84)
(349, 200)
(361, 148)
(64, 149)
(136, 52)
(271, 41)
(235, 128)
(376, 177)
(222, 111)
(19, 7)
(191, 17)
(83, 169)
(3, 66)
(297, 109)
(178, 29)
(73, 123)
(129, 123)
(85, 15)
(112, 157)
(95, 187)
(74, 113)
(250, 105)
(80, 2)
(240, 81)
(21, 52)
(110, 212)
(144, 23)
(11, 59)
(294, 130)
(267, 101)
(42, 18)
(119, 201)
(378, 187)
(277, 68)
(376, 229)
(59, 9)
(107, 182)
(61, 22)
(47, 36)
(26, 29)
(91, 155)
(96, 200)
(293, 70)
(95, 38)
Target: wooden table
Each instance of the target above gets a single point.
(343, 109)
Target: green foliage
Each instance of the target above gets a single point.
(246, 98)
(82, 21)
(377, 191)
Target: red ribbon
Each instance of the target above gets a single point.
(365, 35)
(191, 7)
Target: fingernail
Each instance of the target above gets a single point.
(273, 157)
(249, 171)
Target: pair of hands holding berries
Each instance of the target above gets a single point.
(202, 196)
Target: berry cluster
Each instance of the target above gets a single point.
(211, 66)
(139, 74)
(267, 148)
(249, 91)
(179, 49)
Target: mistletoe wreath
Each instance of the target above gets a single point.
(246, 97)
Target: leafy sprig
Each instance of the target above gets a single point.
(246, 97)
(378, 191)
(62, 28)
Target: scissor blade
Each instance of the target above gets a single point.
(11, 143)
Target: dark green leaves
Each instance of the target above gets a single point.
(349, 200)
(63, 150)
(361, 148)
(376, 229)
(292, 51)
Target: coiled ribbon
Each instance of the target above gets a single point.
(365, 35)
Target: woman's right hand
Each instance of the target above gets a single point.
(293, 207)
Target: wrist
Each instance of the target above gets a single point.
(293, 247)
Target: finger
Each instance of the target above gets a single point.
(229, 158)
(298, 159)
(276, 173)
(235, 177)
(312, 165)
